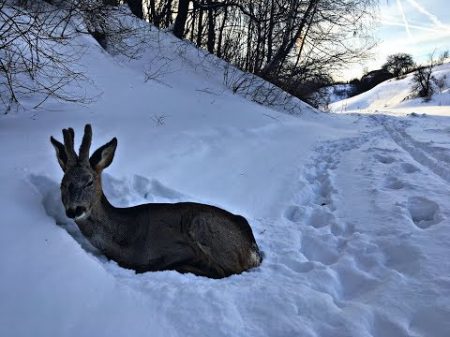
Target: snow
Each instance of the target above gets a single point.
(394, 97)
(334, 93)
(351, 211)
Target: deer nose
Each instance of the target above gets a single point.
(75, 212)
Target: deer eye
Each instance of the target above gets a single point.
(90, 183)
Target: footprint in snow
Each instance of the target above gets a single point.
(320, 218)
(409, 168)
(402, 256)
(294, 213)
(424, 212)
(394, 183)
(384, 159)
(342, 229)
(320, 249)
(352, 281)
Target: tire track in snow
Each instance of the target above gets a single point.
(417, 150)
(422, 211)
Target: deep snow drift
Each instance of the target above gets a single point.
(351, 212)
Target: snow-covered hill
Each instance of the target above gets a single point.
(334, 93)
(395, 96)
(351, 212)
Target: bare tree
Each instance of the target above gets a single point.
(110, 26)
(423, 83)
(399, 64)
(180, 21)
(38, 49)
(36, 57)
(285, 42)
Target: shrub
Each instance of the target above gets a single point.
(423, 82)
(399, 64)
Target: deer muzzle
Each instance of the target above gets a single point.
(75, 212)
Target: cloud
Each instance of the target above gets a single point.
(433, 18)
(426, 33)
(405, 21)
(413, 26)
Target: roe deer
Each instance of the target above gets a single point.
(187, 237)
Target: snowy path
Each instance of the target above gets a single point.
(355, 254)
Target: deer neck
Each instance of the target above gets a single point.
(105, 226)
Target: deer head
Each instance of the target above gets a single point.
(81, 187)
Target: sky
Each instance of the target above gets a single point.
(417, 27)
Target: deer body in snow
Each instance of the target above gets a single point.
(187, 237)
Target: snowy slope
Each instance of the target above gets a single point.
(395, 96)
(351, 212)
(334, 93)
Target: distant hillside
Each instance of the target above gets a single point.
(396, 96)
(333, 93)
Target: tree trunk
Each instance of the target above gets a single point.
(111, 2)
(168, 17)
(219, 44)
(304, 37)
(152, 13)
(180, 21)
(211, 28)
(136, 8)
(270, 32)
(193, 21)
(287, 44)
(199, 27)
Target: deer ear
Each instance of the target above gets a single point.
(61, 154)
(103, 156)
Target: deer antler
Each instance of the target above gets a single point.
(85, 144)
(69, 136)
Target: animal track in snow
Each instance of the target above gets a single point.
(384, 159)
(319, 173)
(394, 183)
(294, 213)
(353, 281)
(342, 229)
(424, 212)
(319, 248)
(320, 218)
(409, 168)
(402, 256)
(319, 243)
